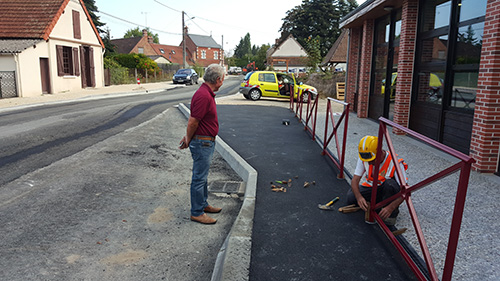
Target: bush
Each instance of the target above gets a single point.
(118, 74)
(139, 61)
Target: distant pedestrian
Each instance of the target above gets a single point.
(202, 128)
(388, 184)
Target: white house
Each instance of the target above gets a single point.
(288, 55)
(48, 46)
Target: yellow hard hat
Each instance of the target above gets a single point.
(367, 148)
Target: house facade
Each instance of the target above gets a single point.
(48, 46)
(162, 54)
(432, 66)
(287, 55)
(205, 51)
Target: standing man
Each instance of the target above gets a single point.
(388, 183)
(202, 128)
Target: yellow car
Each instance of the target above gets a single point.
(435, 84)
(273, 84)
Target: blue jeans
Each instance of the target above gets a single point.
(202, 152)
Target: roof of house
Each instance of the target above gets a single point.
(9, 46)
(33, 18)
(338, 52)
(172, 53)
(204, 41)
(125, 45)
(276, 51)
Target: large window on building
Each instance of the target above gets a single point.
(385, 66)
(450, 40)
(446, 72)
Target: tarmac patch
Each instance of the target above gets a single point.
(71, 259)
(125, 258)
(160, 215)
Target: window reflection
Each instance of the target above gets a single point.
(469, 42)
(464, 90)
(470, 9)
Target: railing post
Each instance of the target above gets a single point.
(456, 221)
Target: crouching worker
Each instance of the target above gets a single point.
(388, 184)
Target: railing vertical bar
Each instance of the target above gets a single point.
(456, 222)
(421, 239)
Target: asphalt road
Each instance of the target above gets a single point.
(33, 138)
(99, 190)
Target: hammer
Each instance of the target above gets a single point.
(328, 206)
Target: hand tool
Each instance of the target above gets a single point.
(328, 206)
(399, 231)
(349, 209)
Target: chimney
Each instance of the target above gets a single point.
(150, 39)
(144, 33)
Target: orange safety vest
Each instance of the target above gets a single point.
(386, 170)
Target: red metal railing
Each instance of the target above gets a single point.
(311, 114)
(405, 193)
(330, 119)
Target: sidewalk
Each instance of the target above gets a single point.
(88, 93)
(257, 133)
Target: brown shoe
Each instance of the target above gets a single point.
(204, 219)
(211, 209)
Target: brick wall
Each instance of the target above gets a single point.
(144, 43)
(485, 140)
(365, 68)
(353, 65)
(209, 57)
(406, 59)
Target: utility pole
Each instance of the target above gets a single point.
(222, 51)
(183, 42)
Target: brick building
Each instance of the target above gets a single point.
(432, 66)
(144, 45)
(204, 49)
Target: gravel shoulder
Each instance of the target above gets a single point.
(118, 210)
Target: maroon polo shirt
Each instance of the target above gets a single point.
(204, 109)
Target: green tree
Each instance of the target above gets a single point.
(92, 9)
(316, 18)
(136, 32)
(260, 56)
(313, 51)
(243, 48)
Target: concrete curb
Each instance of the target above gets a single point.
(233, 260)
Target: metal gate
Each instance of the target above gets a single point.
(8, 87)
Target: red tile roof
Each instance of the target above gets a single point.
(33, 18)
(172, 53)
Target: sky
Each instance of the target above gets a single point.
(228, 19)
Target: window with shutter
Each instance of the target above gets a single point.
(76, 25)
(65, 62)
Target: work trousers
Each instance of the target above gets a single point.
(384, 191)
(201, 152)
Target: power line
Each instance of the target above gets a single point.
(167, 6)
(140, 25)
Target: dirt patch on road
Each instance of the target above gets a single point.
(125, 258)
(160, 215)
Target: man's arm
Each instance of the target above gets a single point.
(192, 126)
(355, 190)
(387, 210)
